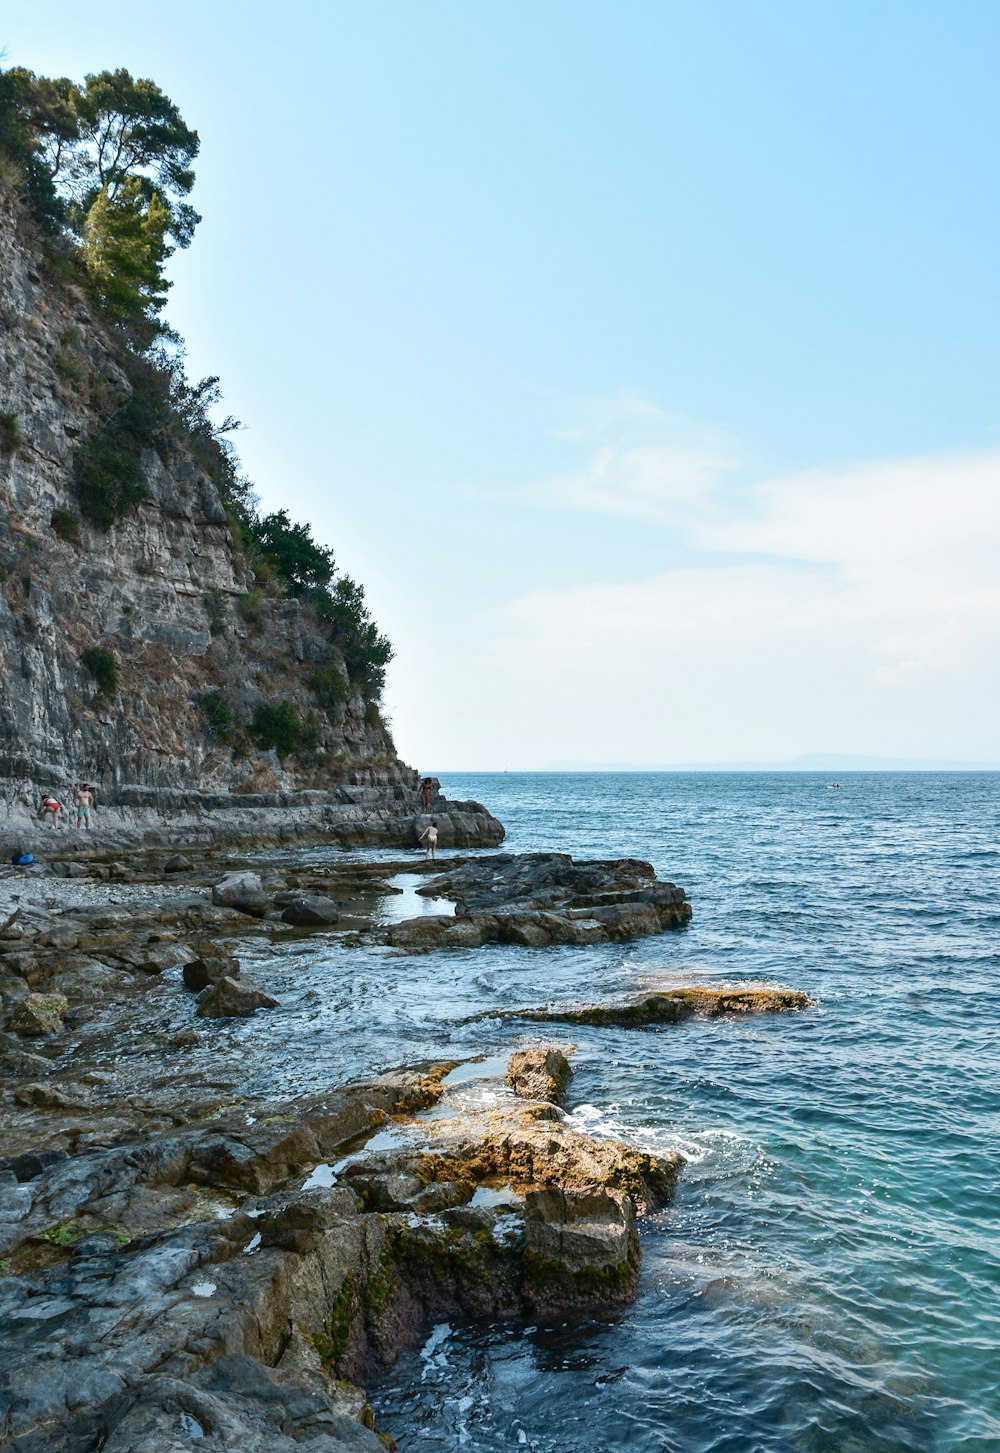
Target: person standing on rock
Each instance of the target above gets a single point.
(83, 799)
(429, 838)
(426, 793)
(50, 806)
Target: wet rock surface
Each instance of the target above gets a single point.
(228, 998)
(673, 1006)
(537, 899)
(186, 1260)
(157, 1280)
(541, 1073)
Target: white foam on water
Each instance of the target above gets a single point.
(714, 1142)
(433, 1352)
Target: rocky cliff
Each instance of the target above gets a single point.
(128, 654)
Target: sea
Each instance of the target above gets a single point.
(827, 1278)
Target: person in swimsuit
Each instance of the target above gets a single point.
(50, 805)
(426, 793)
(429, 838)
(83, 798)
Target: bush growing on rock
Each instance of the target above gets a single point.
(66, 524)
(216, 604)
(330, 685)
(303, 565)
(10, 433)
(278, 726)
(311, 732)
(101, 664)
(108, 467)
(222, 717)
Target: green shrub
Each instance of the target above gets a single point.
(277, 726)
(100, 662)
(222, 717)
(108, 468)
(365, 651)
(109, 482)
(10, 432)
(67, 363)
(216, 611)
(330, 686)
(68, 366)
(311, 731)
(249, 606)
(291, 550)
(66, 524)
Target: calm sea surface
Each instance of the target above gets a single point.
(828, 1276)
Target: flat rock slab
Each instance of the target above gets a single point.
(675, 1005)
(536, 899)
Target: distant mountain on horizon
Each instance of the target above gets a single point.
(806, 762)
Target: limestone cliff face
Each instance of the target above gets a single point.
(164, 590)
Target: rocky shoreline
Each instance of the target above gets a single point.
(185, 1260)
(375, 808)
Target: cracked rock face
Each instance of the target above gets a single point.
(166, 591)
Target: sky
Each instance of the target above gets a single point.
(641, 359)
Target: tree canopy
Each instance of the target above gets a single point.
(111, 162)
(304, 566)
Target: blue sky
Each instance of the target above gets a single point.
(640, 358)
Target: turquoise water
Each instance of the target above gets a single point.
(827, 1278)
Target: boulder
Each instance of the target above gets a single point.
(236, 1407)
(38, 1014)
(233, 999)
(29, 1166)
(580, 1245)
(176, 864)
(243, 891)
(209, 966)
(539, 1074)
(591, 1227)
(311, 910)
(434, 930)
(48, 1097)
(616, 898)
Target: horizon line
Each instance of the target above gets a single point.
(696, 768)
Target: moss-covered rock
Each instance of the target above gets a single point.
(675, 1005)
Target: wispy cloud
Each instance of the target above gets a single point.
(864, 617)
(639, 461)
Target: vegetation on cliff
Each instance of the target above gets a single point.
(104, 169)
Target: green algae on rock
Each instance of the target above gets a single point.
(673, 1006)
